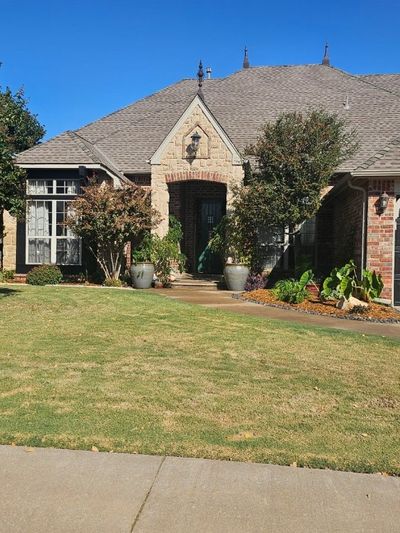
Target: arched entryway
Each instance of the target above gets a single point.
(199, 205)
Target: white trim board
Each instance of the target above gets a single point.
(197, 101)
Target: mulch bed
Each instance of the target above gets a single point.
(375, 313)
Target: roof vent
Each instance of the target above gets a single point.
(325, 60)
(246, 62)
(346, 103)
(208, 72)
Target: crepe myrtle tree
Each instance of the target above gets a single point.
(107, 218)
(19, 130)
(295, 156)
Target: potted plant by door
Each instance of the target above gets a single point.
(236, 274)
(227, 239)
(142, 269)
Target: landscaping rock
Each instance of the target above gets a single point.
(349, 304)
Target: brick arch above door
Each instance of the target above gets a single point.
(204, 175)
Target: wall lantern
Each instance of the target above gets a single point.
(194, 146)
(383, 202)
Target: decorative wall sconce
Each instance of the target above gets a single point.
(194, 146)
(383, 202)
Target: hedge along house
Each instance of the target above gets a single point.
(186, 141)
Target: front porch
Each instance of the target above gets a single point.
(199, 205)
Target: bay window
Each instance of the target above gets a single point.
(48, 239)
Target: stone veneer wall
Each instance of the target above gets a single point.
(10, 242)
(380, 233)
(213, 164)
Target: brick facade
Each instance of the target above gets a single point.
(339, 234)
(380, 233)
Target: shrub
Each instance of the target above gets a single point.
(344, 282)
(294, 291)
(255, 282)
(44, 275)
(165, 253)
(6, 275)
(112, 282)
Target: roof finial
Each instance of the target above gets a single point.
(325, 59)
(200, 76)
(246, 63)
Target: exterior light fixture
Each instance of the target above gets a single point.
(383, 202)
(194, 146)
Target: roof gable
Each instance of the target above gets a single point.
(196, 102)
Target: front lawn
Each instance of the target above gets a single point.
(133, 371)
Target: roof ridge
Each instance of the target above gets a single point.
(379, 74)
(380, 154)
(100, 157)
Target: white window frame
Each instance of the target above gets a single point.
(54, 181)
(53, 237)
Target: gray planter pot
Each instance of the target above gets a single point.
(236, 276)
(142, 275)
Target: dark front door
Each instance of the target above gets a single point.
(397, 263)
(209, 215)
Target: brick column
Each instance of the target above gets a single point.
(380, 233)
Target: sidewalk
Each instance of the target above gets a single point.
(223, 300)
(48, 490)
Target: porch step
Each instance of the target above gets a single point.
(19, 278)
(191, 281)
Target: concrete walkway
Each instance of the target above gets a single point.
(223, 300)
(48, 490)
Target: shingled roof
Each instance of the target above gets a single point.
(389, 82)
(242, 103)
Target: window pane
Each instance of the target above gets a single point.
(307, 232)
(39, 251)
(40, 187)
(67, 187)
(39, 218)
(271, 241)
(63, 209)
(68, 252)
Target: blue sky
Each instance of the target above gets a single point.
(79, 60)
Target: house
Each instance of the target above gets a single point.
(186, 143)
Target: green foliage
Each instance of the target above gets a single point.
(295, 157)
(371, 286)
(112, 282)
(44, 275)
(144, 253)
(19, 130)
(341, 282)
(107, 218)
(165, 253)
(344, 282)
(229, 239)
(6, 275)
(294, 291)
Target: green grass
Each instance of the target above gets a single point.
(136, 372)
